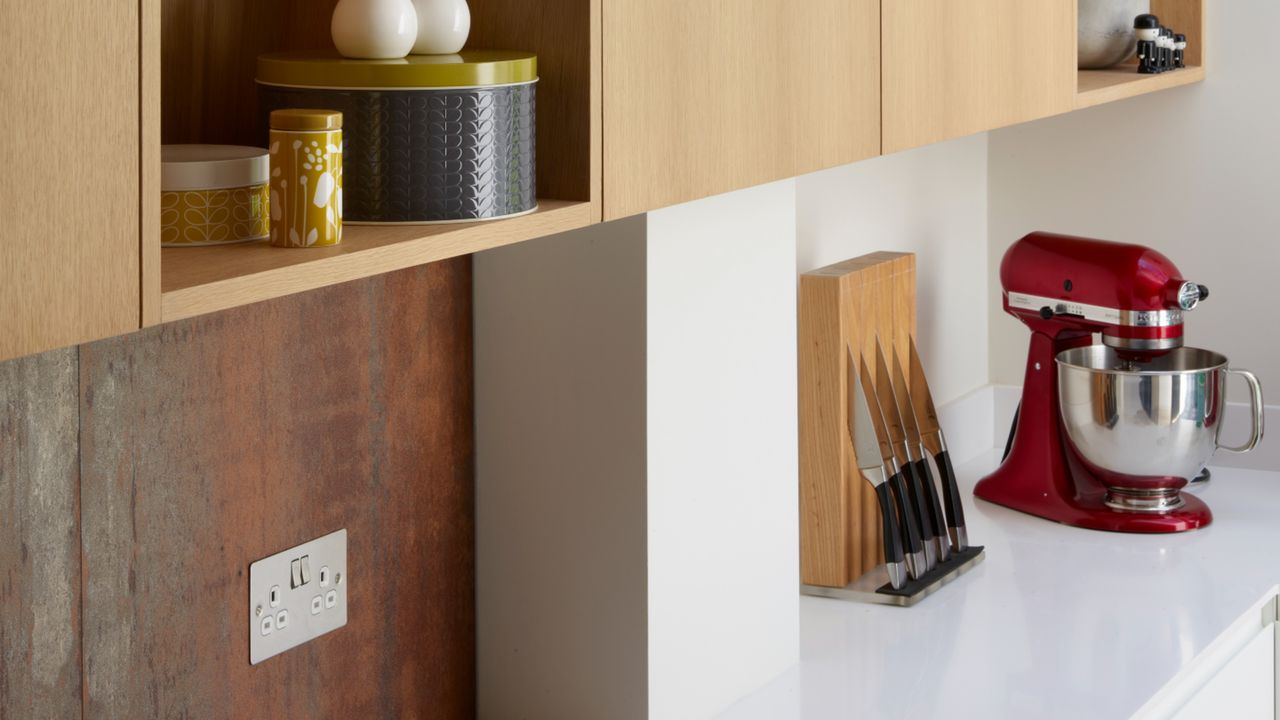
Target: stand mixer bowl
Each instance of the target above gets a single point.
(1146, 428)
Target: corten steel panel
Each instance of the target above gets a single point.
(39, 538)
(212, 442)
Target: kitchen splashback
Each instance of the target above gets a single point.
(144, 474)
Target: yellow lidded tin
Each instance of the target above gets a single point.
(212, 195)
(306, 178)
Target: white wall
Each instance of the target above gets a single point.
(1191, 172)
(722, 449)
(637, 515)
(931, 201)
(560, 479)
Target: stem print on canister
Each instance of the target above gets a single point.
(306, 178)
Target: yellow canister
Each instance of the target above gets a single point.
(306, 178)
(212, 194)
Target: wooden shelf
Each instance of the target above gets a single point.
(1095, 87)
(190, 104)
(207, 279)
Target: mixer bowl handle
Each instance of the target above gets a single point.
(1255, 406)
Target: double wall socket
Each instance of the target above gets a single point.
(297, 595)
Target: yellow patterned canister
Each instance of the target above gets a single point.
(306, 178)
(212, 194)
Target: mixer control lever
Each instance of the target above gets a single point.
(1190, 294)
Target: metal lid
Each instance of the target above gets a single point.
(469, 68)
(306, 119)
(212, 167)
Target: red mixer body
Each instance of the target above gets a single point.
(1065, 289)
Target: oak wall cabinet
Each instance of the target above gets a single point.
(705, 97)
(641, 105)
(957, 68)
(69, 174)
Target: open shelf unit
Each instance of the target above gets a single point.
(205, 93)
(1096, 87)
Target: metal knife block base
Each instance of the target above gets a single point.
(873, 587)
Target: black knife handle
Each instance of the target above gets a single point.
(950, 491)
(936, 517)
(919, 502)
(892, 538)
(910, 530)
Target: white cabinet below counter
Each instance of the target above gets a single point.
(1235, 677)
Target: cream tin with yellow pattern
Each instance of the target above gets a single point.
(213, 195)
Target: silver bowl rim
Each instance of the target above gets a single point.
(1063, 362)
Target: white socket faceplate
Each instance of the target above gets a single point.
(297, 595)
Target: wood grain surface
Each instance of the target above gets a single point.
(701, 98)
(39, 537)
(213, 442)
(209, 58)
(566, 36)
(206, 279)
(958, 68)
(69, 182)
(1185, 17)
(848, 305)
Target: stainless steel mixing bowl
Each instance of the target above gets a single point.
(1106, 34)
(1147, 428)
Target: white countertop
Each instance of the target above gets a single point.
(1056, 622)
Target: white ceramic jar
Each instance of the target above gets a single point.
(374, 29)
(443, 26)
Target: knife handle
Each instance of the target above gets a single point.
(936, 518)
(951, 499)
(893, 555)
(920, 507)
(906, 519)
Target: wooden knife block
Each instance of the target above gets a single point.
(846, 304)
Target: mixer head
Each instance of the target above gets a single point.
(1133, 295)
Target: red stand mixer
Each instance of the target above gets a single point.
(1065, 289)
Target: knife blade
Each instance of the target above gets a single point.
(933, 439)
(938, 521)
(866, 449)
(913, 546)
(898, 436)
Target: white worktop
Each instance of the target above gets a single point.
(1056, 622)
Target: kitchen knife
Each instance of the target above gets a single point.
(898, 439)
(866, 448)
(933, 439)
(912, 546)
(920, 459)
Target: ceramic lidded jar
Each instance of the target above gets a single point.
(374, 29)
(443, 26)
(1105, 31)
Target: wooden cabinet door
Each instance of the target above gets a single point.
(69, 173)
(706, 96)
(956, 68)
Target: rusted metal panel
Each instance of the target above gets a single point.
(212, 442)
(39, 537)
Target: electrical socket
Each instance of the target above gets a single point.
(297, 595)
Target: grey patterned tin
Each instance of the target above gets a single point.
(432, 139)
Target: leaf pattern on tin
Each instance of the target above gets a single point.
(429, 155)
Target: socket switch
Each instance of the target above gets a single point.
(288, 604)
